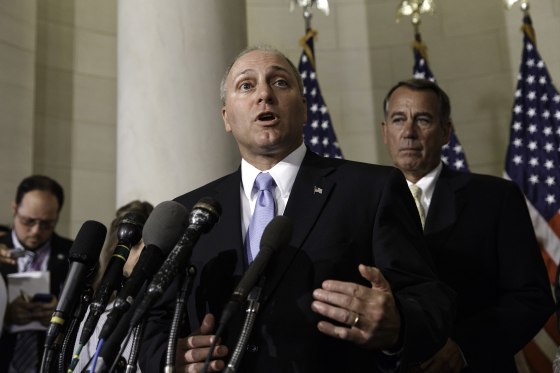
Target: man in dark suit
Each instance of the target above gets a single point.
(32, 245)
(353, 289)
(479, 232)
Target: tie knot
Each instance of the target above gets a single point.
(264, 181)
(416, 191)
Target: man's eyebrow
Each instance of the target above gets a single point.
(424, 113)
(244, 72)
(274, 68)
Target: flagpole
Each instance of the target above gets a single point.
(318, 131)
(307, 15)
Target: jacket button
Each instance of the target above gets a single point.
(252, 348)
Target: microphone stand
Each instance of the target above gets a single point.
(250, 316)
(184, 291)
(135, 346)
(65, 355)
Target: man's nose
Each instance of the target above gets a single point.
(409, 128)
(265, 93)
(36, 228)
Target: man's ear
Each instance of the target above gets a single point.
(304, 100)
(447, 131)
(384, 132)
(225, 119)
(14, 208)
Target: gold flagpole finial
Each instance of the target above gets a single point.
(523, 4)
(413, 9)
(322, 5)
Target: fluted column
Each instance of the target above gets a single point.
(171, 57)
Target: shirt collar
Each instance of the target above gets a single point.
(428, 183)
(284, 172)
(41, 252)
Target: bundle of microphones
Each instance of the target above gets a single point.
(169, 234)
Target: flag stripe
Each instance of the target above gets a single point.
(533, 163)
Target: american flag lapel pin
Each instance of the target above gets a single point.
(316, 190)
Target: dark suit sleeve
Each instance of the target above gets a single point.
(523, 297)
(426, 305)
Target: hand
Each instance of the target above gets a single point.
(21, 311)
(6, 256)
(192, 350)
(370, 313)
(448, 359)
(43, 311)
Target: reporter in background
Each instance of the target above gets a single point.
(36, 210)
(480, 235)
(143, 209)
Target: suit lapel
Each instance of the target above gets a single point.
(309, 194)
(447, 201)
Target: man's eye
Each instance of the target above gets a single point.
(424, 122)
(281, 83)
(245, 86)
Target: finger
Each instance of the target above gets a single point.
(335, 299)
(333, 330)
(208, 324)
(197, 355)
(342, 287)
(374, 276)
(425, 365)
(339, 314)
(214, 366)
(199, 341)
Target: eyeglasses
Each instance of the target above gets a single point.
(30, 222)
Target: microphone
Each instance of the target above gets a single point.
(83, 257)
(205, 213)
(275, 235)
(162, 230)
(129, 233)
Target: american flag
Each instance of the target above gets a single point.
(318, 132)
(533, 162)
(452, 153)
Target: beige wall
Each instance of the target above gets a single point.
(58, 82)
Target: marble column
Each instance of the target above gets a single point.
(171, 57)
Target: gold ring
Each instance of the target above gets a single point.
(356, 320)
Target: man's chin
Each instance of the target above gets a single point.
(32, 244)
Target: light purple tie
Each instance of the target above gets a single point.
(262, 215)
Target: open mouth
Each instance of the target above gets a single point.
(266, 117)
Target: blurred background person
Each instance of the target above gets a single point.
(32, 245)
(143, 209)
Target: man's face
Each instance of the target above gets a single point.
(264, 109)
(35, 218)
(413, 131)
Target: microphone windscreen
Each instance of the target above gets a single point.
(88, 243)
(165, 225)
(212, 207)
(277, 233)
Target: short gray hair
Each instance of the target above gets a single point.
(264, 48)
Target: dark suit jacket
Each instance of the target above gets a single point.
(484, 246)
(344, 213)
(58, 267)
